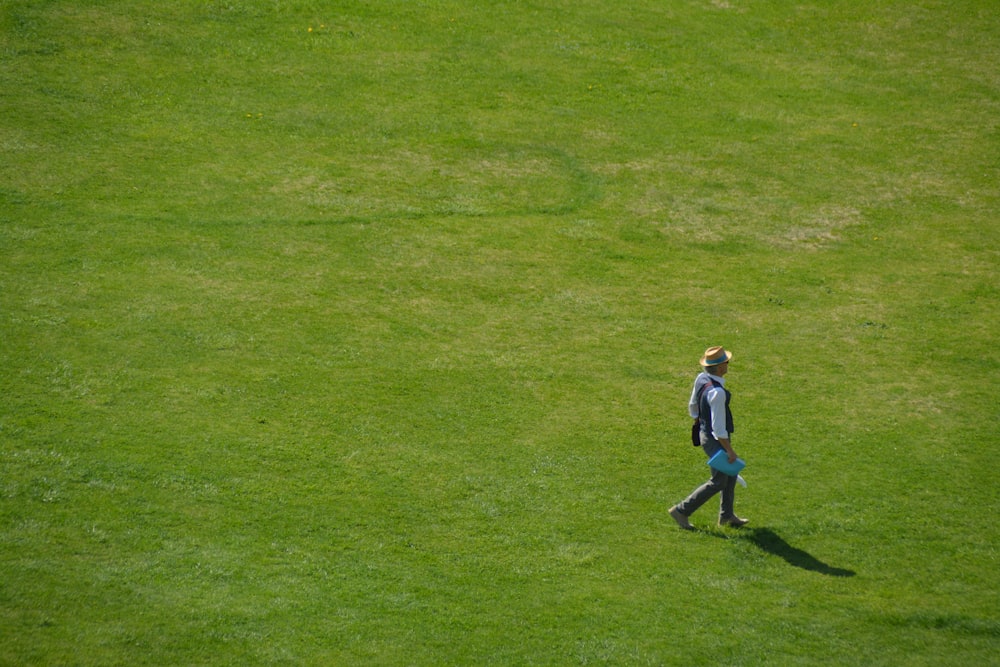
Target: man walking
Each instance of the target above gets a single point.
(709, 406)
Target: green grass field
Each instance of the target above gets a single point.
(362, 332)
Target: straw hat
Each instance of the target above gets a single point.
(715, 356)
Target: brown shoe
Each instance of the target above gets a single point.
(681, 520)
(733, 521)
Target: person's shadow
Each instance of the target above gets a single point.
(769, 541)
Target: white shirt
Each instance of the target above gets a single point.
(716, 400)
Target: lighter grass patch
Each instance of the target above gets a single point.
(820, 227)
(486, 181)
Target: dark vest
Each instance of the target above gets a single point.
(705, 411)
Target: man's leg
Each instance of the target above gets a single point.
(727, 516)
(704, 493)
(726, 510)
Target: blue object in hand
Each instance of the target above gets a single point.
(720, 461)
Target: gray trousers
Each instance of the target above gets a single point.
(720, 482)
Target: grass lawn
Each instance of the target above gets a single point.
(363, 332)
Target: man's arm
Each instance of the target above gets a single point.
(730, 452)
(717, 401)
